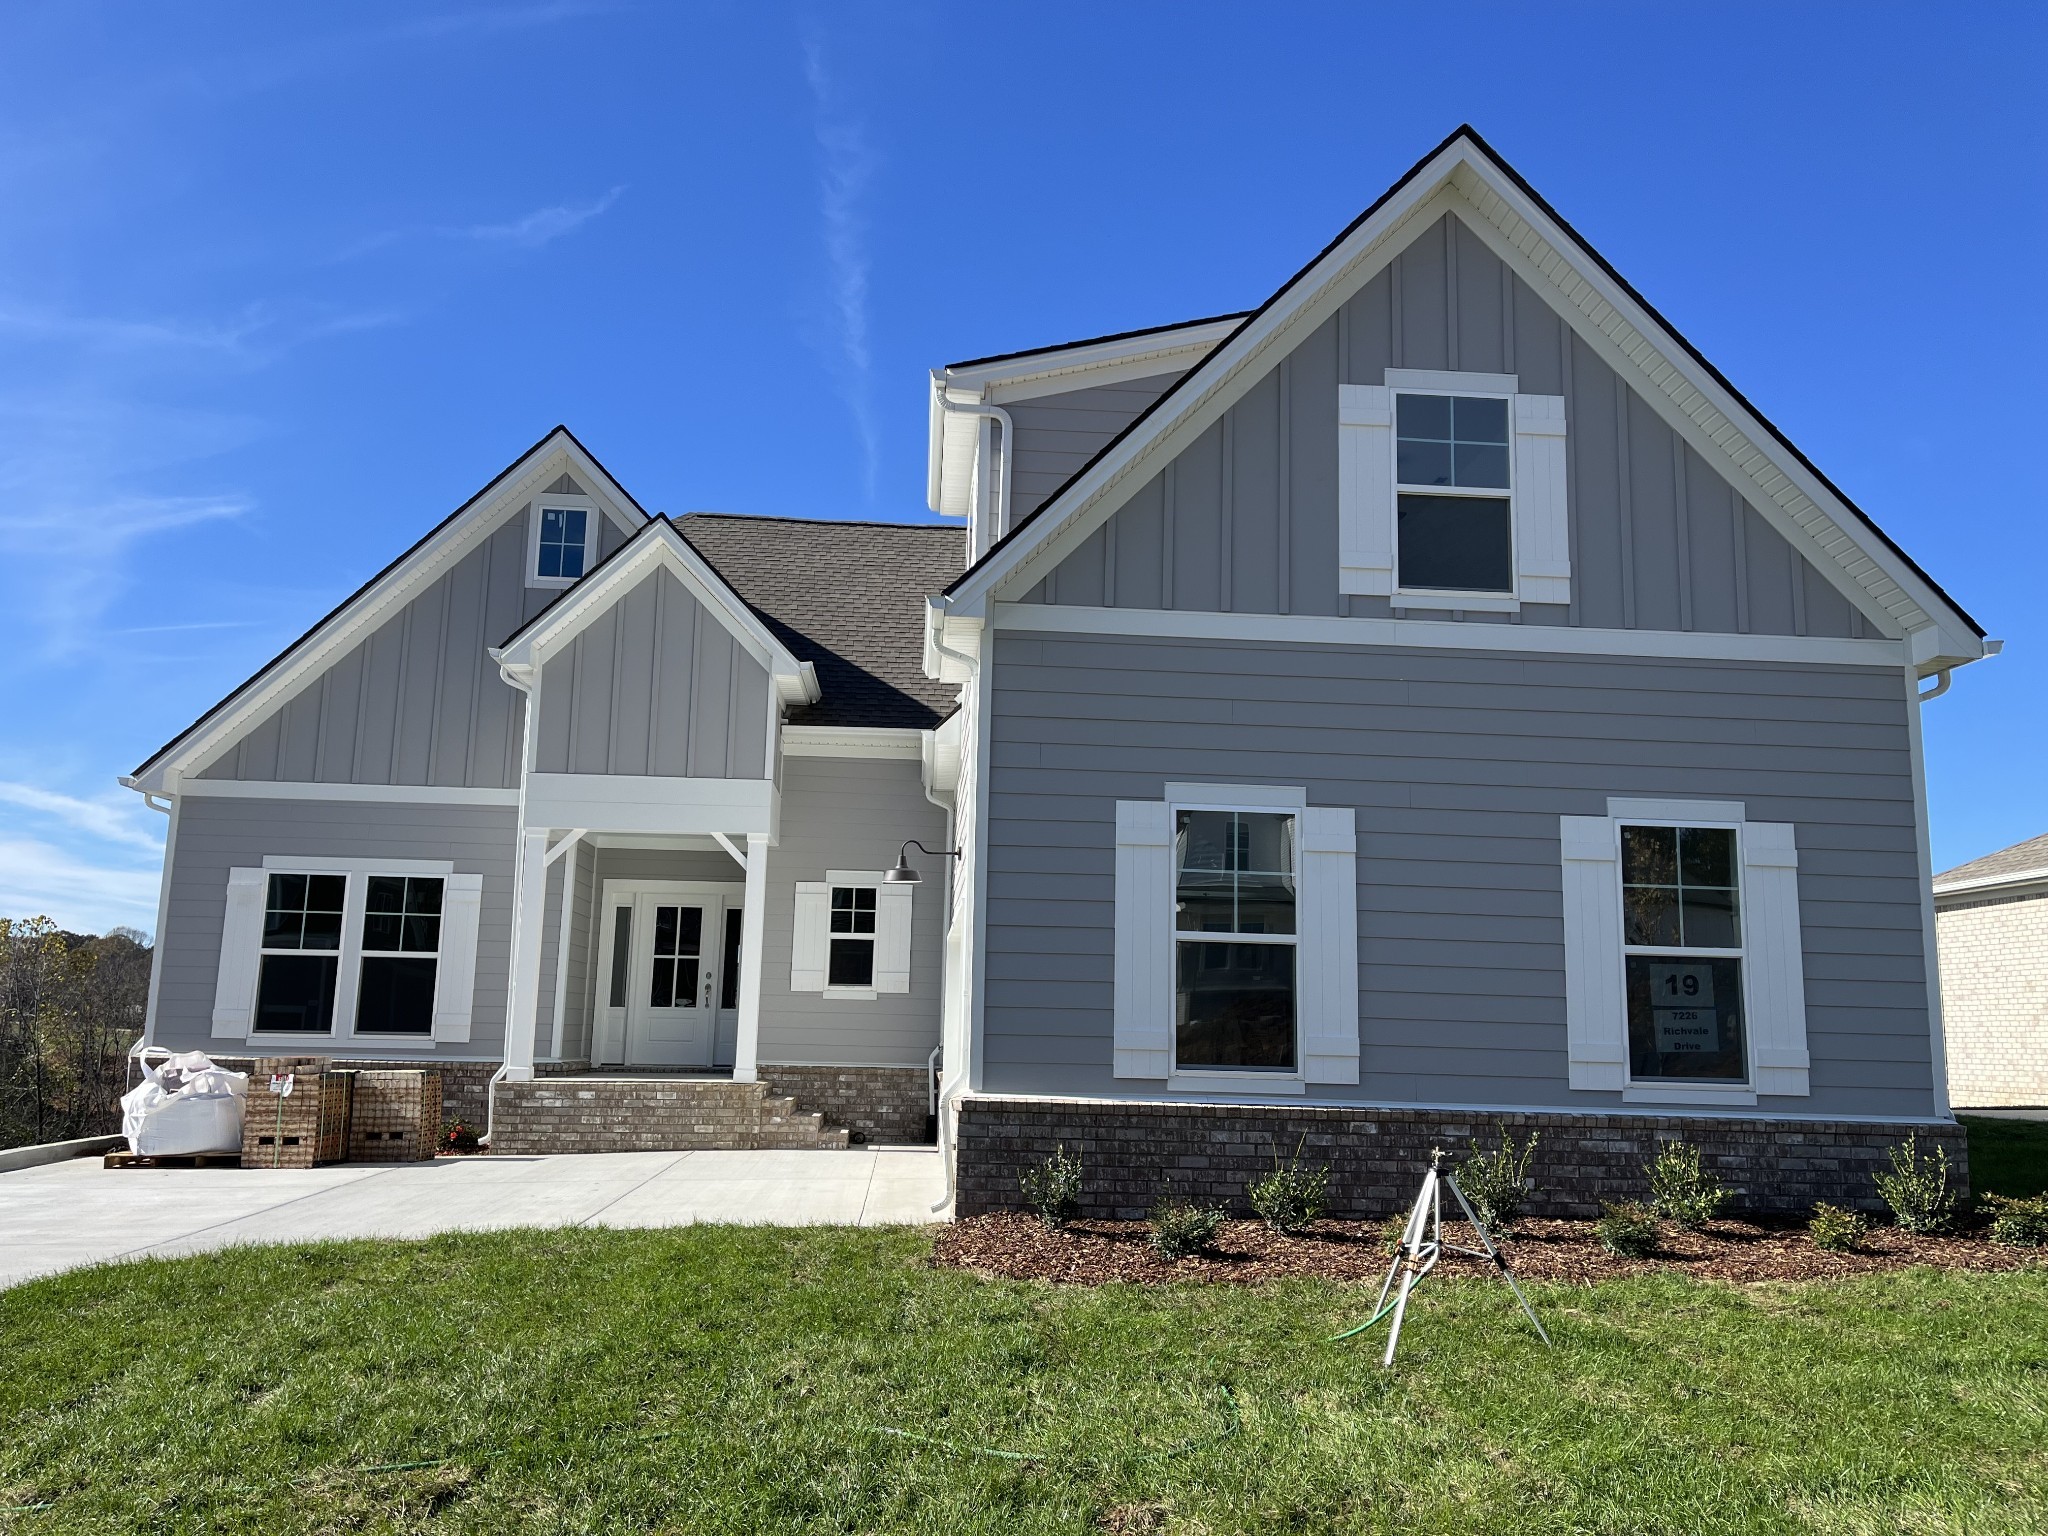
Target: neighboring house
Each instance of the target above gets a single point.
(1991, 918)
(1433, 695)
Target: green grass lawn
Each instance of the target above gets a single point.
(737, 1380)
(2007, 1157)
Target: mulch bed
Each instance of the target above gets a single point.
(1017, 1247)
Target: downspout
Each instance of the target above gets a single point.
(934, 1063)
(1001, 417)
(522, 679)
(168, 808)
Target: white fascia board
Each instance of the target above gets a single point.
(660, 546)
(852, 741)
(1443, 634)
(216, 731)
(1709, 416)
(1460, 179)
(1132, 357)
(651, 805)
(2019, 877)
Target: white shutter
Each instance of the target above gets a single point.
(1365, 489)
(462, 899)
(892, 937)
(1143, 1021)
(1595, 1010)
(1775, 958)
(808, 936)
(1543, 550)
(241, 954)
(1328, 987)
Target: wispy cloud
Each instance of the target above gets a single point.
(112, 821)
(528, 232)
(846, 166)
(39, 880)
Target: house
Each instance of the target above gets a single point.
(1991, 924)
(1434, 699)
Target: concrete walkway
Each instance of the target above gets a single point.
(63, 1215)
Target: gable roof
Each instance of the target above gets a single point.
(557, 452)
(849, 598)
(1672, 374)
(2022, 863)
(656, 546)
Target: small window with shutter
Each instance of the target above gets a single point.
(851, 936)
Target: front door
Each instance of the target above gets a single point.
(668, 979)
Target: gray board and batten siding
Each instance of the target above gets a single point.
(1244, 520)
(838, 813)
(656, 685)
(419, 700)
(219, 833)
(1058, 433)
(1459, 764)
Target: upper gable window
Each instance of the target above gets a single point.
(1452, 492)
(562, 542)
(1453, 530)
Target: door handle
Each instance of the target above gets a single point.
(707, 989)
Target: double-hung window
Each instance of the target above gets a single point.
(852, 936)
(401, 955)
(851, 958)
(1451, 492)
(1234, 988)
(301, 956)
(1453, 531)
(562, 544)
(1681, 914)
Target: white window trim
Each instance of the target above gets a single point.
(566, 502)
(348, 982)
(1773, 987)
(888, 912)
(1481, 387)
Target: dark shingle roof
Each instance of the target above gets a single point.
(2017, 862)
(847, 597)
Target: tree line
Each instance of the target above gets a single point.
(71, 1005)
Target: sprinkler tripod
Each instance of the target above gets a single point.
(1422, 1244)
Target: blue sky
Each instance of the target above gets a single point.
(282, 285)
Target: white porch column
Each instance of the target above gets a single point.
(529, 904)
(754, 916)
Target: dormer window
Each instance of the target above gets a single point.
(563, 541)
(1453, 532)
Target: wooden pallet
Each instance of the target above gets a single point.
(120, 1159)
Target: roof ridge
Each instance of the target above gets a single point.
(814, 522)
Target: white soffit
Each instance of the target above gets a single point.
(390, 589)
(1462, 177)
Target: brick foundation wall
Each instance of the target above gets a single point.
(1994, 998)
(463, 1083)
(877, 1103)
(1133, 1154)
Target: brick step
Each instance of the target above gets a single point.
(650, 1114)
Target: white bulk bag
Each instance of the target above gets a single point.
(189, 1105)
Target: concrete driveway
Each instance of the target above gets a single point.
(63, 1215)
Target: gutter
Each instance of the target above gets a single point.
(948, 406)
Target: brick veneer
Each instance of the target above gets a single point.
(881, 1103)
(649, 1114)
(1135, 1153)
(1994, 997)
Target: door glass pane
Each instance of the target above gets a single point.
(1234, 1006)
(729, 971)
(622, 953)
(678, 933)
(1685, 1018)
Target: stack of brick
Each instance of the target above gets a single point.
(302, 1129)
(397, 1117)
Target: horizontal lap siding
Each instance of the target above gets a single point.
(219, 834)
(1459, 765)
(852, 814)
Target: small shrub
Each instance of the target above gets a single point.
(1683, 1190)
(1498, 1182)
(2018, 1223)
(1053, 1188)
(1291, 1196)
(1837, 1229)
(458, 1136)
(1181, 1228)
(1627, 1229)
(1917, 1189)
(1392, 1230)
